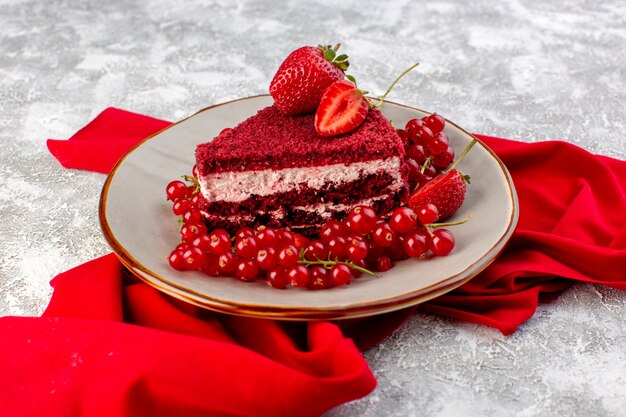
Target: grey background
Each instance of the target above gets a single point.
(519, 69)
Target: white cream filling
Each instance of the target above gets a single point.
(324, 210)
(238, 186)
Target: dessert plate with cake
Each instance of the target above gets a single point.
(268, 168)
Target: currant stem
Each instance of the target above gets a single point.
(463, 153)
(447, 224)
(328, 264)
(426, 164)
(405, 72)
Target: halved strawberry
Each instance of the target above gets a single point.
(303, 76)
(342, 109)
(446, 191)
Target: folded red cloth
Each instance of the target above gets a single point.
(109, 345)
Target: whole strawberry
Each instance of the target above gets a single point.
(301, 79)
(446, 191)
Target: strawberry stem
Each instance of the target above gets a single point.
(465, 151)
(405, 72)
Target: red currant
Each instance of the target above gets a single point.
(383, 235)
(315, 251)
(356, 249)
(285, 237)
(266, 237)
(190, 231)
(435, 122)
(417, 153)
(441, 242)
(203, 242)
(288, 256)
(211, 266)
(404, 136)
(220, 241)
(438, 144)
(246, 247)
(176, 190)
(192, 216)
(444, 159)
(267, 258)
(402, 220)
(355, 272)
(227, 262)
(319, 278)
(247, 270)
(412, 127)
(193, 258)
(299, 241)
(337, 247)
(277, 278)
(414, 244)
(298, 276)
(243, 232)
(176, 260)
(181, 206)
(340, 275)
(362, 219)
(427, 213)
(384, 263)
(331, 229)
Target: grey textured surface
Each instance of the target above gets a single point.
(519, 69)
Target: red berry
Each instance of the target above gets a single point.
(181, 206)
(299, 241)
(277, 278)
(247, 270)
(288, 256)
(298, 276)
(416, 152)
(266, 237)
(331, 229)
(211, 266)
(316, 251)
(404, 136)
(438, 144)
(319, 278)
(299, 83)
(176, 190)
(362, 219)
(342, 109)
(176, 260)
(220, 241)
(412, 127)
(267, 258)
(203, 242)
(427, 213)
(193, 258)
(355, 272)
(340, 275)
(414, 244)
(337, 247)
(227, 262)
(415, 172)
(402, 220)
(246, 247)
(356, 249)
(396, 251)
(383, 235)
(193, 216)
(441, 242)
(435, 122)
(243, 232)
(384, 263)
(190, 231)
(285, 237)
(196, 201)
(444, 159)
(183, 246)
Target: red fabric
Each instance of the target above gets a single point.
(109, 345)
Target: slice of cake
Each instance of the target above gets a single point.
(276, 170)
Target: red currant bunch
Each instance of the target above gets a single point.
(427, 147)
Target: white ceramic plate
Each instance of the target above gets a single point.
(138, 223)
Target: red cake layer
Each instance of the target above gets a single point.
(272, 140)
